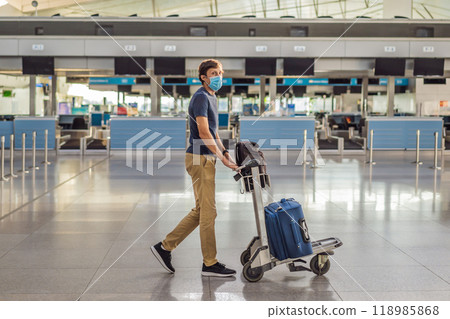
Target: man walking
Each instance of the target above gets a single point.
(205, 147)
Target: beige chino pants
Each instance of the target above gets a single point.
(202, 169)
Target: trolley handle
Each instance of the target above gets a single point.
(249, 164)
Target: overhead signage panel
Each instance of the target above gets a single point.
(112, 81)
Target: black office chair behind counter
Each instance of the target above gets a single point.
(79, 124)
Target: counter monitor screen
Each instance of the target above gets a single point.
(38, 65)
(184, 90)
(428, 67)
(128, 65)
(224, 90)
(338, 90)
(298, 66)
(260, 66)
(240, 90)
(169, 66)
(390, 67)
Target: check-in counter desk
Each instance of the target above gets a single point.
(272, 132)
(6, 129)
(148, 132)
(38, 124)
(391, 133)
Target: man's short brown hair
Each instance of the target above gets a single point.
(206, 65)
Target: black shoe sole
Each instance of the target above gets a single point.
(157, 255)
(214, 274)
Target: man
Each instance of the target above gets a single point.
(205, 146)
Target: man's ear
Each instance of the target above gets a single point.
(203, 77)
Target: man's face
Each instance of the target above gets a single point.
(212, 72)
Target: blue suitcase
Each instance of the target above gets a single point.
(287, 230)
(275, 235)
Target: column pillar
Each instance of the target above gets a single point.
(155, 95)
(53, 102)
(273, 91)
(32, 95)
(364, 96)
(175, 98)
(412, 89)
(262, 94)
(390, 95)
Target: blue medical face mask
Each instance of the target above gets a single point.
(215, 83)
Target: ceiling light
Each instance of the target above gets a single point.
(3, 2)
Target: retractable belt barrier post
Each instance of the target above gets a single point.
(108, 146)
(316, 146)
(305, 146)
(417, 162)
(436, 138)
(46, 162)
(2, 165)
(11, 156)
(371, 149)
(33, 166)
(23, 170)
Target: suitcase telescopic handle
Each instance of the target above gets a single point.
(251, 163)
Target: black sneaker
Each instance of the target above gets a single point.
(217, 270)
(163, 256)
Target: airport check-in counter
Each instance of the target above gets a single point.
(272, 132)
(75, 126)
(38, 124)
(6, 129)
(394, 133)
(66, 121)
(227, 133)
(148, 132)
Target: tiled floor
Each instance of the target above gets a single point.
(82, 227)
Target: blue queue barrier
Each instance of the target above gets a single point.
(39, 124)
(400, 132)
(6, 129)
(154, 132)
(271, 132)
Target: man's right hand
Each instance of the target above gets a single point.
(229, 163)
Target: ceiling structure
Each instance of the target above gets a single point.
(306, 9)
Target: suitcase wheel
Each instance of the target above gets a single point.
(252, 274)
(315, 267)
(245, 256)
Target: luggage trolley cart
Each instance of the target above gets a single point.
(257, 259)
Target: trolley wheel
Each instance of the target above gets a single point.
(314, 265)
(252, 274)
(245, 256)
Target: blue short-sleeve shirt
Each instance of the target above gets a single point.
(202, 104)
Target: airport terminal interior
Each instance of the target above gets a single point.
(347, 101)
